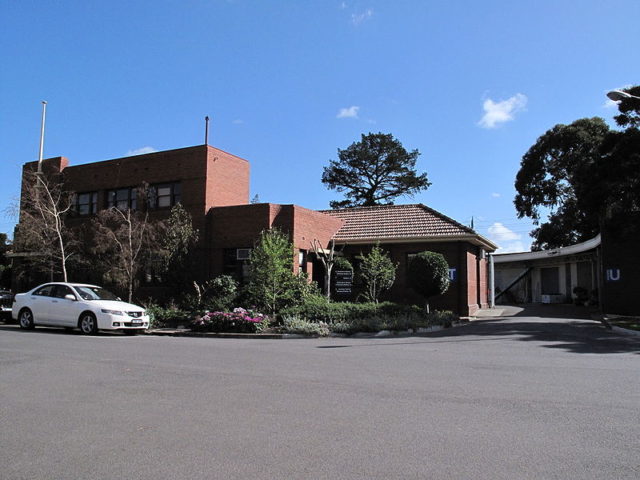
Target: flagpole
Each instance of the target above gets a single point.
(44, 114)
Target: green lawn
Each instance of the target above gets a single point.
(631, 323)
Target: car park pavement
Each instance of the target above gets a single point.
(522, 397)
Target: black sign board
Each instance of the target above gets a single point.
(343, 282)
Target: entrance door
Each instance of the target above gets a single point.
(550, 281)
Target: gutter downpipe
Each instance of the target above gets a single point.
(492, 283)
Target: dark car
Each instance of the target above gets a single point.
(6, 302)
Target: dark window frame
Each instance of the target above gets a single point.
(128, 195)
(169, 199)
(91, 204)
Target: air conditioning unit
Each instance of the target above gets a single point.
(243, 254)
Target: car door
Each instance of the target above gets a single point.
(64, 311)
(40, 303)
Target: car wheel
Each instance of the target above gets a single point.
(88, 323)
(26, 319)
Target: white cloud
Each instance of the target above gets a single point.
(141, 151)
(507, 240)
(238, 121)
(358, 18)
(496, 113)
(496, 195)
(350, 112)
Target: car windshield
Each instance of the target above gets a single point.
(94, 293)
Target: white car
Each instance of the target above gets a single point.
(74, 305)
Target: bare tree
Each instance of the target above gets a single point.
(328, 261)
(123, 241)
(42, 232)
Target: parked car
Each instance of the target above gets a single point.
(6, 302)
(73, 305)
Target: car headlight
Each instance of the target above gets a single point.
(112, 312)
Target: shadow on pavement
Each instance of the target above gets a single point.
(12, 327)
(577, 336)
(563, 327)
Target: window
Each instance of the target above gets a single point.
(122, 199)
(59, 291)
(164, 195)
(87, 203)
(46, 291)
(237, 268)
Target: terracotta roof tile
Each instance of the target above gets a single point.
(395, 221)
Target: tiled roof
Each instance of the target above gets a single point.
(395, 221)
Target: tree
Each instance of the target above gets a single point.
(42, 231)
(5, 262)
(377, 272)
(629, 108)
(374, 171)
(328, 260)
(179, 239)
(124, 240)
(583, 174)
(270, 270)
(557, 173)
(428, 274)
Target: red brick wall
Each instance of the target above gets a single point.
(227, 179)
(461, 296)
(472, 281)
(483, 280)
(208, 177)
(240, 226)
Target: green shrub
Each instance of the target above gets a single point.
(219, 293)
(341, 263)
(377, 273)
(443, 318)
(167, 317)
(346, 317)
(304, 327)
(428, 274)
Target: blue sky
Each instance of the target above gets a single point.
(470, 84)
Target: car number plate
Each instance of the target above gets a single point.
(136, 322)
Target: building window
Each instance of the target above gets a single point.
(122, 199)
(236, 265)
(87, 203)
(164, 195)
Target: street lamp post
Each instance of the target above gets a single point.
(620, 95)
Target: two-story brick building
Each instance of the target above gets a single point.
(213, 186)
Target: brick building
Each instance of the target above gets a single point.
(213, 186)
(403, 231)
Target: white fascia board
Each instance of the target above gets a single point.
(474, 239)
(546, 254)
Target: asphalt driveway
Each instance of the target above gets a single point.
(523, 397)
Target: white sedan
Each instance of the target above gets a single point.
(73, 305)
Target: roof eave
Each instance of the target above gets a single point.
(473, 239)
